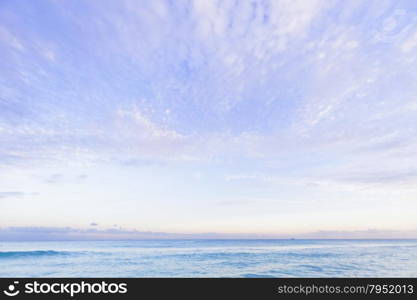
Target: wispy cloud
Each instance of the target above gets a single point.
(11, 194)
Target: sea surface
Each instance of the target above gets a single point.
(210, 258)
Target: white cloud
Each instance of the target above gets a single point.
(144, 127)
(410, 43)
(8, 38)
(300, 96)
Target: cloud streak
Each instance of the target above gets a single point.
(11, 195)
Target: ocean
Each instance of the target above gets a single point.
(210, 258)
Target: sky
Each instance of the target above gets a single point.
(227, 117)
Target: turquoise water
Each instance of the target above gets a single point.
(210, 258)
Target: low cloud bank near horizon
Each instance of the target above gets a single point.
(73, 234)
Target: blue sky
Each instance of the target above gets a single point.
(270, 117)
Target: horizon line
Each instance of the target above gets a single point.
(42, 233)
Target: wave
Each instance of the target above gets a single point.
(254, 275)
(36, 253)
